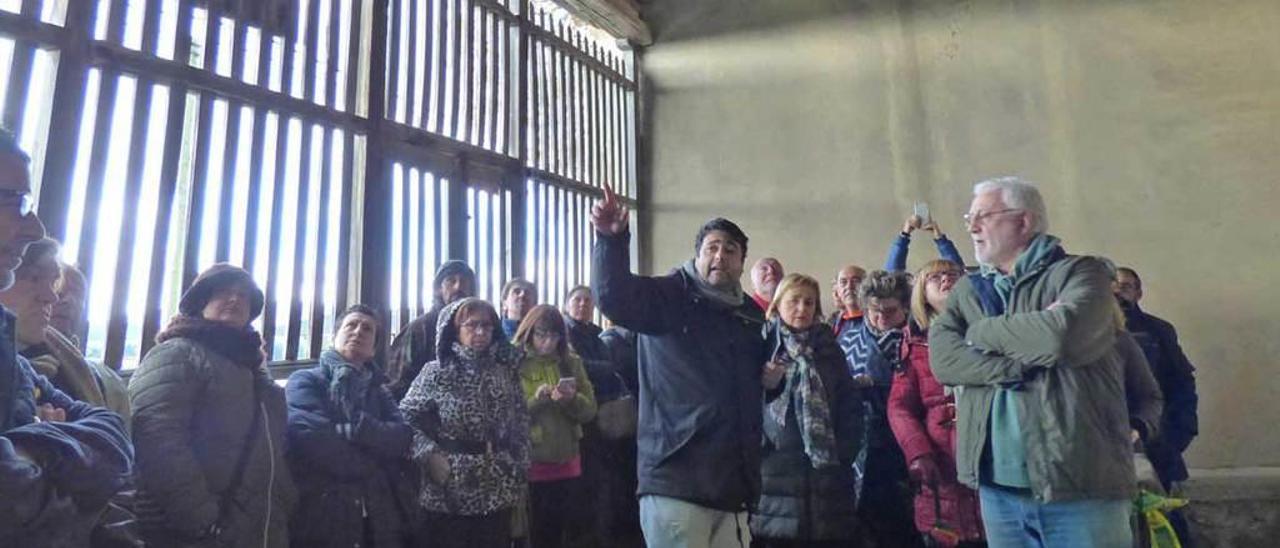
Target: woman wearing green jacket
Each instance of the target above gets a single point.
(560, 400)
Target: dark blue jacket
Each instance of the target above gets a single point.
(78, 464)
(700, 391)
(1174, 373)
(584, 338)
(340, 479)
(897, 260)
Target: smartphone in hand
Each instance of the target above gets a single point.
(567, 384)
(921, 210)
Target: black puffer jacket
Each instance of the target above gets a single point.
(797, 501)
(192, 408)
(700, 391)
(347, 470)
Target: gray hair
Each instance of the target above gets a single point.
(1018, 193)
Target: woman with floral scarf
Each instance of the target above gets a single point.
(471, 430)
(812, 425)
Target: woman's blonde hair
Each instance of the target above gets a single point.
(791, 282)
(920, 308)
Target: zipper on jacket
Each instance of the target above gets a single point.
(271, 477)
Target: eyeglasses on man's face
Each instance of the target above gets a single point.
(972, 219)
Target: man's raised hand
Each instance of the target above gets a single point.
(609, 216)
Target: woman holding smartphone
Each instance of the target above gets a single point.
(560, 400)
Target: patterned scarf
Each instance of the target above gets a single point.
(890, 344)
(805, 384)
(348, 384)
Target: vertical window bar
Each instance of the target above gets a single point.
(354, 47)
(24, 54)
(311, 65)
(230, 153)
(116, 319)
(406, 106)
(405, 205)
(87, 241)
(335, 30)
(422, 41)
(426, 248)
(269, 312)
(413, 231)
(463, 74)
(347, 214)
(484, 66)
(435, 68)
(320, 221)
(299, 232)
(392, 37)
(477, 66)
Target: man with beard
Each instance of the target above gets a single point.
(416, 344)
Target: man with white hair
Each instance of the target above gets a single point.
(1042, 431)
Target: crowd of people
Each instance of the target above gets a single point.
(1000, 405)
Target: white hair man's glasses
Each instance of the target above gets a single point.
(971, 219)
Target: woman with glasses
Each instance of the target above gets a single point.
(471, 430)
(560, 400)
(922, 414)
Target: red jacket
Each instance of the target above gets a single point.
(922, 416)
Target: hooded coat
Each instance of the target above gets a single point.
(416, 343)
(459, 401)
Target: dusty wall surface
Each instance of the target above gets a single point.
(1152, 127)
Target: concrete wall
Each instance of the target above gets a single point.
(1153, 128)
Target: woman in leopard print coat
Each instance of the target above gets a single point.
(471, 429)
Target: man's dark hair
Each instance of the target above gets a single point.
(882, 284)
(723, 225)
(516, 282)
(1132, 273)
(360, 309)
(9, 145)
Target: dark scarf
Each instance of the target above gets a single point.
(348, 384)
(890, 344)
(242, 346)
(813, 411)
(727, 297)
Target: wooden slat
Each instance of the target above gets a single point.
(67, 105)
(164, 72)
(405, 307)
(252, 210)
(117, 320)
(375, 264)
(353, 57)
(475, 67)
(331, 66)
(199, 191)
(321, 224)
(393, 57)
(311, 66)
(174, 129)
(97, 173)
(151, 26)
(24, 54)
(455, 69)
(430, 78)
(116, 21)
(277, 205)
(344, 219)
(426, 219)
(483, 111)
(230, 151)
(563, 46)
(408, 57)
(300, 234)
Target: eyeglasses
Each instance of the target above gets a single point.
(971, 219)
(21, 198)
(474, 326)
(940, 275)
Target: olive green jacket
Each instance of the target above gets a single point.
(1055, 344)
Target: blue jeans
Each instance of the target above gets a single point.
(1015, 520)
